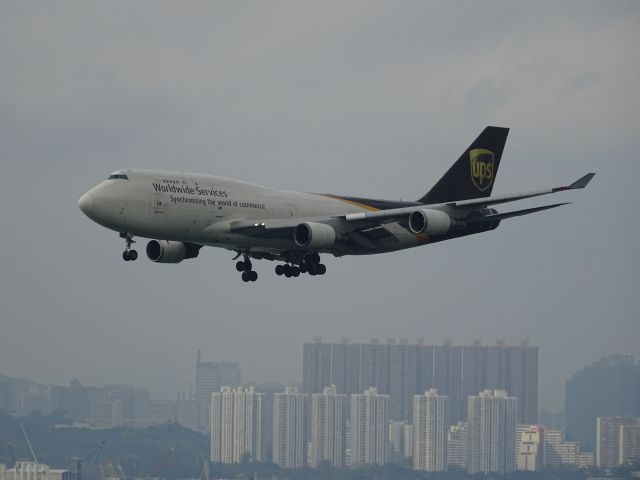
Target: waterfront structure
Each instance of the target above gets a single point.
(606, 388)
(328, 428)
(369, 424)
(210, 377)
(585, 460)
(236, 425)
(35, 471)
(430, 426)
(492, 430)
(457, 445)
(402, 370)
(609, 433)
(530, 448)
(289, 428)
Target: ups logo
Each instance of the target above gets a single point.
(481, 168)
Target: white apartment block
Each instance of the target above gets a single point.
(327, 442)
(289, 428)
(369, 428)
(430, 413)
(492, 429)
(236, 425)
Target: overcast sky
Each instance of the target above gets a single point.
(358, 98)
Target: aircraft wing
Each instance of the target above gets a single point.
(364, 221)
(580, 183)
(398, 213)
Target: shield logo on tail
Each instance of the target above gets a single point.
(482, 168)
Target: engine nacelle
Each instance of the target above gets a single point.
(314, 235)
(165, 251)
(431, 222)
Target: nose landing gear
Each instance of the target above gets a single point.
(128, 254)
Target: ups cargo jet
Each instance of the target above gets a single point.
(182, 212)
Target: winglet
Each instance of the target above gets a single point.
(582, 182)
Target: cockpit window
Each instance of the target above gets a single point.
(118, 176)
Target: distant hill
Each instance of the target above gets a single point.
(138, 451)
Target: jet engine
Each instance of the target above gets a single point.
(314, 235)
(165, 251)
(431, 222)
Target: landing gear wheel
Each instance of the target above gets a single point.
(321, 269)
(279, 270)
(253, 275)
(246, 277)
(313, 258)
(303, 268)
(240, 266)
(287, 271)
(295, 271)
(312, 270)
(128, 254)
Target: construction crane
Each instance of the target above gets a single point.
(79, 460)
(162, 463)
(26, 437)
(111, 470)
(204, 474)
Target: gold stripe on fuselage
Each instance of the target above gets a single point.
(350, 202)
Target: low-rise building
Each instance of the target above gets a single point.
(35, 471)
(530, 448)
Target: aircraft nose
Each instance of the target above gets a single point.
(86, 203)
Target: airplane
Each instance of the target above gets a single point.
(182, 212)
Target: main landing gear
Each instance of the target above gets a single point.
(244, 266)
(296, 263)
(310, 264)
(128, 254)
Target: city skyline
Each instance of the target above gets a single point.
(203, 382)
(276, 422)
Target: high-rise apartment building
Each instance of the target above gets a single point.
(268, 390)
(289, 428)
(369, 424)
(609, 432)
(401, 441)
(430, 426)
(316, 366)
(345, 368)
(328, 428)
(629, 443)
(236, 425)
(607, 388)
(210, 377)
(403, 370)
(458, 445)
(492, 429)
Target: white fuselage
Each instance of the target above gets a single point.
(201, 208)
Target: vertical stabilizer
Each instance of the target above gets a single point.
(474, 173)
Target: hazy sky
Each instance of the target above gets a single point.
(358, 98)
